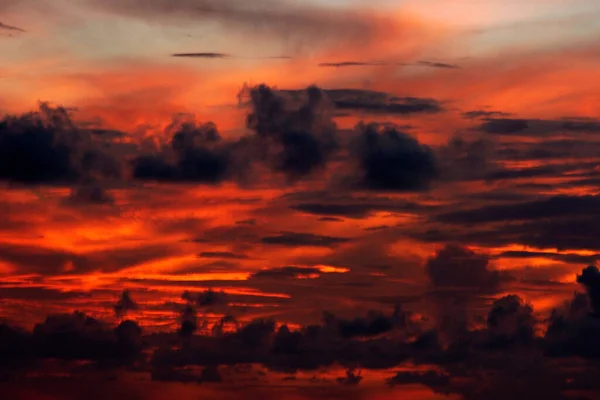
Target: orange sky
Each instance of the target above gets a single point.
(523, 197)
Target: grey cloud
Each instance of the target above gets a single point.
(10, 28)
(295, 239)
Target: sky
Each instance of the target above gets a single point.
(301, 199)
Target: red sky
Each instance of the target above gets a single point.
(479, 181)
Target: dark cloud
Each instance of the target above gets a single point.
(511, 321)
(467, 158)
(296, 136)
(47, 147)
(430, 379)
(351, 64)
(223, 254)
(504, 126)
(46, 261)
(551, 149)
(250, 222)
(434, 64)
(189, 323)
(571, 258)
(125, 304)
(574, 329)
(196, 154)
(459, 267)
(352, 377)
(474, 114)
(200, 55)
(10, 28)
(358, 210)
(89, 194)
(341, 64)
(390, 160)
(371, 102)
(80, 337)
(208, 298)
(39, 294)
(538, 127)
(294, 239)
(285, 272)
(550, 207)
(330, 219)
(590, 279)
(375, 324)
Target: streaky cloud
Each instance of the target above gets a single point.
(201, 55)
(11, 28)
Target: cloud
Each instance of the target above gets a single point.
(50, 261)
(467, 159)
(538, 127)
(46, 147)
(377, 103)
(459, 267)
(285, 272)
(389, 160)
(430, 379)
(475, 114)
(89, 194)
(288, 21)
(383, 63)
(573, 330)
(208, 298)
(80, 337)
(359, 210)
(223, 254)
(330, 219)
(200, 55)
(295, 239)
(351, 64)
(473, 363)
(434, 64)
(571, 258)
(10, 28)
(590, 278)
(511, 321)
(296, 135)
(124, 304)
(196, 154)
(374, 324)
(550, 207)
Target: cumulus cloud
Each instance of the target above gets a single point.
(459, 267)
(590, 279)
(124, 304)
(196, 154)
(297, 138)
(78, 336)
(511, 320)
(46, 146)
(389, 160)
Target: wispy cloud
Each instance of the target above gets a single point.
(10, 28)
(201, 55)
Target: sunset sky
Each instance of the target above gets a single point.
(224, 162)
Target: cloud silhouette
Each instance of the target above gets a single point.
(389, 160)
(295, 239)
